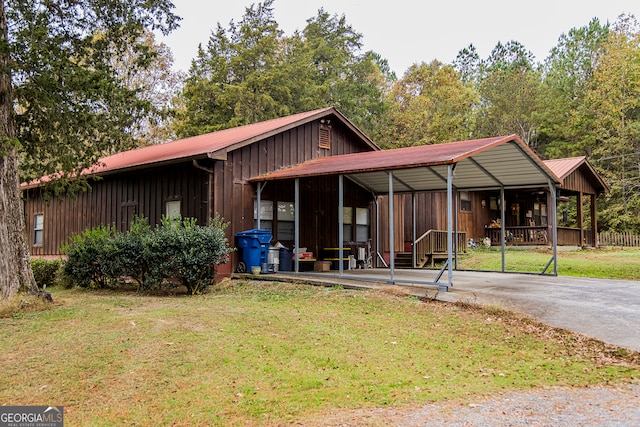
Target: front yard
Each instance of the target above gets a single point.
(267, 353)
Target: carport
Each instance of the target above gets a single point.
(499, 163)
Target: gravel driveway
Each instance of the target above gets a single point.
(557, 407)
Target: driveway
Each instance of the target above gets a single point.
(608, 310)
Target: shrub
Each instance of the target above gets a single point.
(90, 258)
(129, 260)
(177, 252)
(45, 271)
(185, 252)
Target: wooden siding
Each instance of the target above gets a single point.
(114, 200)
(577, 182)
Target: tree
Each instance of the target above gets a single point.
(610, 120)
(156, 84)
(239, 78)
(566, 74)
(429, 105)
(62, 105)
(509, 87)
(251, 72)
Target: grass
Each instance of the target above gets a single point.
(603, 264)
(260, 353)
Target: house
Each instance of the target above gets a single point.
(288, 175)
(204, 175)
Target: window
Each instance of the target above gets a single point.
(465, 201)
(325, 134)
(38, 229)
(286, 220)
(266, 214)
(347, 223)
(362, 224)
(172, 209)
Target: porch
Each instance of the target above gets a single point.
(539, 236)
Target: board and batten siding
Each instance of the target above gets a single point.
(115, 200)
(234, 195)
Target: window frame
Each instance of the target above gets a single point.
(464, 198)
(38, 231)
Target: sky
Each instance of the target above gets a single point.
(406, 32)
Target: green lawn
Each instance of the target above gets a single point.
(605, 264)
(266, 353)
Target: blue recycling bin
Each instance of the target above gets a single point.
(254, 248)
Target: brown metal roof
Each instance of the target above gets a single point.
(565, 167)
(479, 164)
(214, 144)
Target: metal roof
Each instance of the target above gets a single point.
(565, 167)
(479, 164)
(213, 145)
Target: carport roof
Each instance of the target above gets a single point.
(503, 161)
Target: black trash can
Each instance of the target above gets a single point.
(286, 259)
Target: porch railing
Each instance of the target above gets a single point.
(432, 246)
(515, 236)
(538, 235)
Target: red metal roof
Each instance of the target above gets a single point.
(202, 145)
(399, 158)
(503, 161)
(564, 167)
(208, 144)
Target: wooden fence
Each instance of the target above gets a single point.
(612, 238)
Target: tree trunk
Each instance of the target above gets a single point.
(15, 265)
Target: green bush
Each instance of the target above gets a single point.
(90, 258)
(45, 271)
(178, 252)
(184, 252)
(130, 261)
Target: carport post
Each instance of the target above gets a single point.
(296, 231)
(340, 221)
(259, 202)
(414, 256)
(503, 243)
(554, 225)
(449, 228)
(392, 253)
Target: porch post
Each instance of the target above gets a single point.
(296, 231)
(503, 243)
(413, 237)
(340, 221)
(456, 211)
(375, 264)
(554, 225)
(259, 203)
(392, 253)
(594, 221)
(449, 228)
(580, 218)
